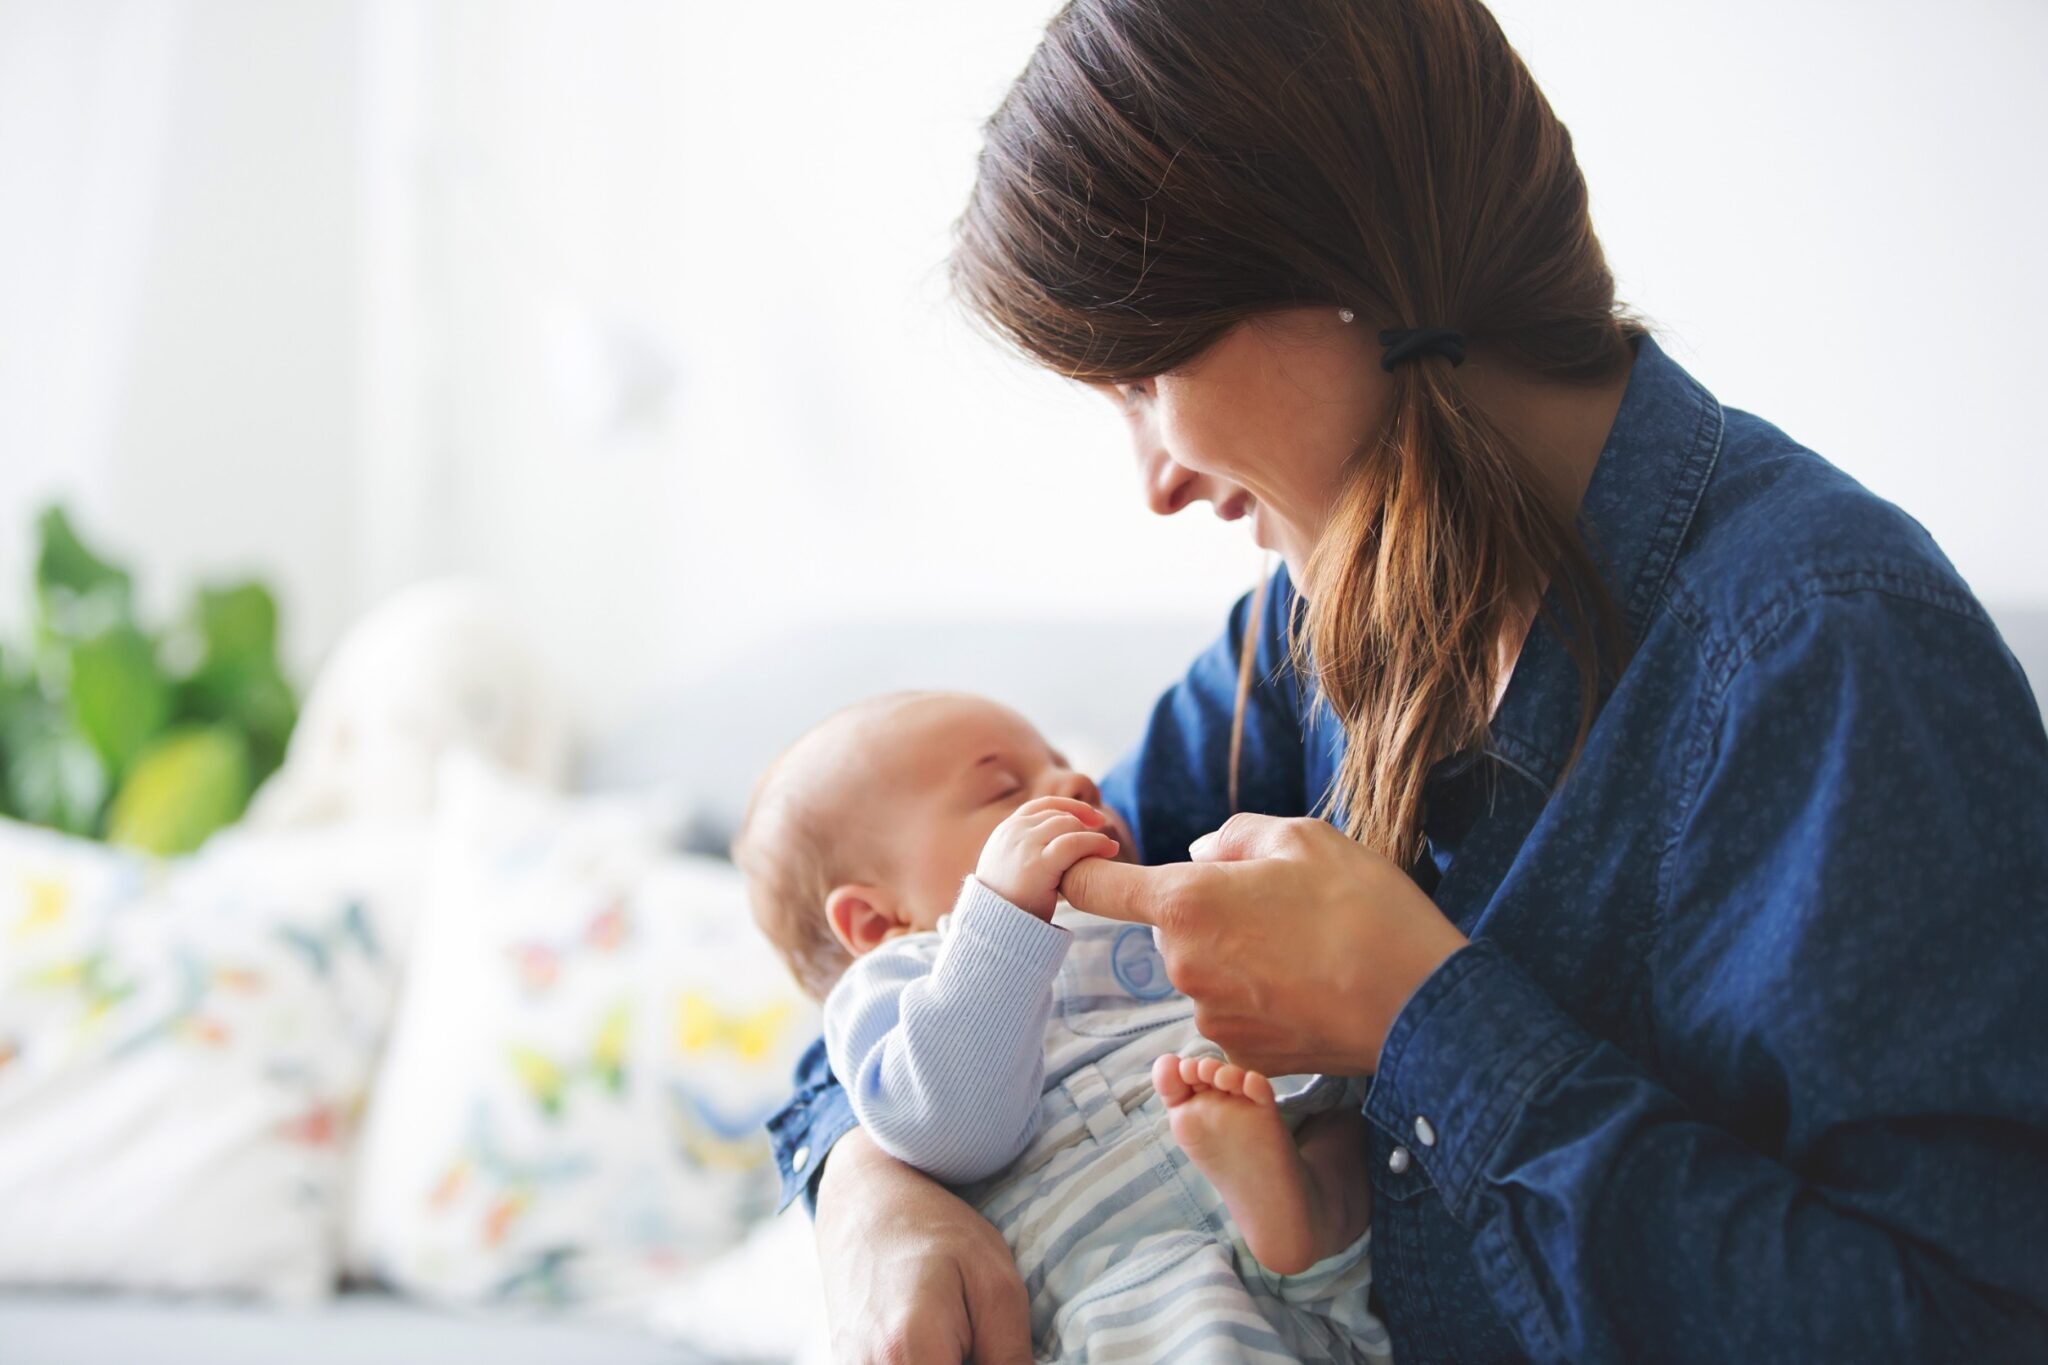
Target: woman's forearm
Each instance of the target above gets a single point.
(1608, 1210)
(911, 1271)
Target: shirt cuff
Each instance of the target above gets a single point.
(1475, 1043)
(802, 1134)
(987, 934)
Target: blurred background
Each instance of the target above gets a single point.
(638, 308)
(632, 315)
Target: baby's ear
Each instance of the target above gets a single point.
(862, 916)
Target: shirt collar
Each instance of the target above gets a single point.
(1645, 488)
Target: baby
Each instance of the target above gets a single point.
(905, 856)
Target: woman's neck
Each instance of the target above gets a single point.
(1561, 428)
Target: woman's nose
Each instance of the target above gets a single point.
(1168, 486)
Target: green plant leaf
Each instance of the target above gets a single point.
(119, 696)
(237, 680)
(17, 694)
(96, 709)
(238, 624)
(53, 776)
(182, 789)
(78, 594)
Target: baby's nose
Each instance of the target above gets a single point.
(1076, 787)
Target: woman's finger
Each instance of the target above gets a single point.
(1123, 891)
(998, 1313)
(1246, 836)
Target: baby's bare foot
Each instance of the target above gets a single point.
(1227, 1121)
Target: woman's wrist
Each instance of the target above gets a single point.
(854, 1150)
(1389, 979)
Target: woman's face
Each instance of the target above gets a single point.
(1260, 426)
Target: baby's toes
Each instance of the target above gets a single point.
(1166, 1079)
(1230, 1078)
(1207, 1069)
(1258, 1089)
(1191, 1072)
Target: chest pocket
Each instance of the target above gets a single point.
(1114, 983)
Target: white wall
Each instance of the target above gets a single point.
(178, 274)
(639, 307)
(1838, 210)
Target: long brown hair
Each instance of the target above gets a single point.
(1164, 170)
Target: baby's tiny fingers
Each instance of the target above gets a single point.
(1088, 814)
(1049, 827)
(1085, 843)
(1039, 819)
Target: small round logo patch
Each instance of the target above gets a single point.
(1137, 965)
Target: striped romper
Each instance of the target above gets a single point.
(1012, 1059)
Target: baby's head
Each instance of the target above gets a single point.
(866, 827)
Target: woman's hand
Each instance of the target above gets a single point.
(913, 1276)
(1297, 944)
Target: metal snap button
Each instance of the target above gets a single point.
(1424, 1134)
(1397, 1160)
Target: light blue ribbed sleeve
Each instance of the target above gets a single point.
(941, 1037)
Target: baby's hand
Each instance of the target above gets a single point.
(1028, 853)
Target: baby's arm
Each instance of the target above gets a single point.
(943, 1049)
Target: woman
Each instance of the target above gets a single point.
(1649, 809)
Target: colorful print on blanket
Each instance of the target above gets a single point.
(591, 1040)
(184, 1053)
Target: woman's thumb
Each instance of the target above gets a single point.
(1243, 836)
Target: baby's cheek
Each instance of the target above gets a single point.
(980, 838)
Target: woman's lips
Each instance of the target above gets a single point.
(1237, 509)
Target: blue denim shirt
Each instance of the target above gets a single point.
(1748, 1056)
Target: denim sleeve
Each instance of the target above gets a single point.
(805, 1129)
(1174, 785)
(1171, 788)
(1852, 941)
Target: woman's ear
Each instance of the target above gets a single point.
(862, 916)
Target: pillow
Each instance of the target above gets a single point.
(590, 1035)
(184, 1048)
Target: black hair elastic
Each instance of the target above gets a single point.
(1409, 343)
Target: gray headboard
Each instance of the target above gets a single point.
(1089, 686)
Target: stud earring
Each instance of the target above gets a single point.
(1346, 315)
